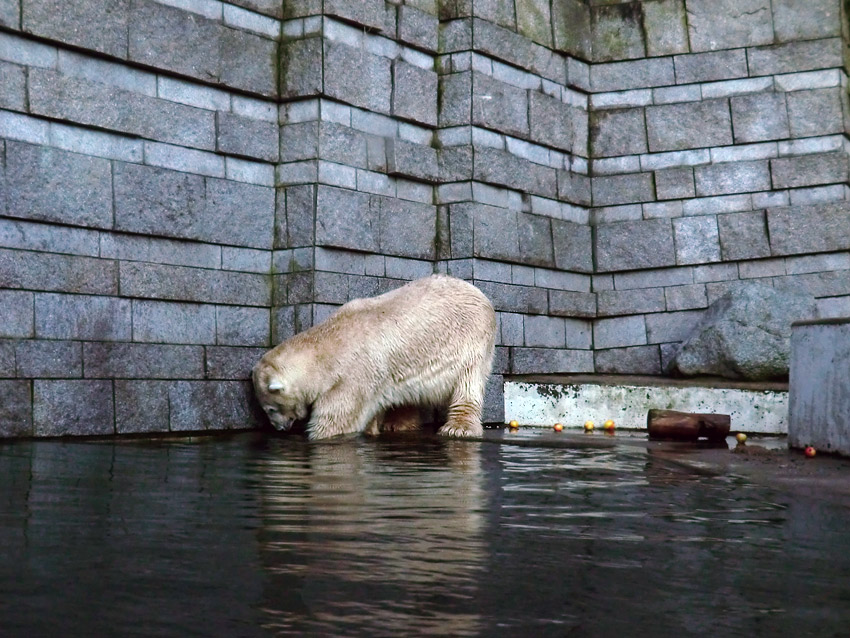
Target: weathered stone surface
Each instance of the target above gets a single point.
(414, 93)
(633, 245)
(141, 406)
(611, 190)
(15, 408)
(510, 298)
(412, 160)
(535, 240)
(72, 407)
(697, 240)
(745, 334)
(301, 68)
(675, 183)
(406, 229)
(732, 177)
(566, 303)
(237, 135)
(13, 86)
(686, 297)
(809, 170)
(357, 77)
(618, 332)
(294, 216)
(550, 121)
(728, 24)
(338, 143)
(248, 61)
(633, 360)
(493, 410)
(675, 127)
(101, 26)
(10, 13)
(231, 362)
(236, 326)
(52, 185)
(629, 302)
(571, 27)
(16, 314)
(666, 27)
(169, 322)
(617, 132)
(500, 106)
(418, 27)
(82, 317)
(795, 56)
(49, 359)
(550, 360)
(369, 13)
(616, 32)
(212, 405)
(64, 273)
(815, 112)
(572, 246)
(500, 167)
(574, 188)
(759, 117)
(809, 229)
(455, 99)
(711, 66)
(64, 97)
(533, 21)
(143, 361)
(636, 74)
(743, 235)
(804, 21)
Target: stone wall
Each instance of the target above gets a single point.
(187, 182)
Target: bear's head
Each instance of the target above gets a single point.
(279, 394)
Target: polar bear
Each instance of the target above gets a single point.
(429, 343)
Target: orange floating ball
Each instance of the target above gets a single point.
(558, 427)
(513, 425)
(588, 426)
(740, 437)
(608, 425)
(810, 451)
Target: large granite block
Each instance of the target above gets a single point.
(52, 185)
(815, 112)
(550, 121)
(141, 406)
(535, 240)
(406, 229)
(225, 362)
(294, 216)
(759, 117)
(676, 127)
(542, 331)
(617, 132)
(572, 246)
(550, 361)
(732, 177)
(13, 87)
(617, 32)
(675, 183)
(368, 13)
(618, 332)
(357, 77)
(73, 407)
(455, 99)
(511, 298)
(62, 273)
(15, 408)
(574, 188)
(743, 236)
(666, 27)
(494, 233)
(142, 361)
(728, 24)
(669, 327)
(63, 97)
(412, 160)
(153, 200)
(792, 57)
(566, 303)
(99, 26)
(633, 360)
(534, 21)
(194, 284)
(571, 27)
(809, 170)
(237, 135)
(809, 229)
(414, 93)
(634, 74)
(611, 190)
(345, 219)
(630, 302)
(237, 326)
(82, 317)
(16, 314)
(301, 68)
(341, 144)
(212, 405)
(711, 66)
(633, 245)
(697, 239)
(249, 62)
(169, 322)
(794, 20)
(505, 169)
(10, 13)
(499, 106)
(418, 27)
(49, 359)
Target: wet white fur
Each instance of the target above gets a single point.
(427, 343)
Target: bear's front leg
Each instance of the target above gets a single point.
(339, 411)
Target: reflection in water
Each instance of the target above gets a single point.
(246, 537)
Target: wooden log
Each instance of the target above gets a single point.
(687, 426)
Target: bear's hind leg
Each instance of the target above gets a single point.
(464, 413)
(404, 418)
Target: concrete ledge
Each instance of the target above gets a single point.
(573, 399)
(819, 402)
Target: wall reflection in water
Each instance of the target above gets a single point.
(385, 539)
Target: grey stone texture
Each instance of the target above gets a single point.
(732, 177)
(809, 170)
(676, 127)
(808, 229)
(498, 105)
(632, 360)
(49, 359)
(743, 235)
(745, 334)
(759, 117)
(100, 26)
(617, 132)
(634, 245)
(666, 27)
(142, 361)
(141, 406)
(414, 93)
(15, 408)
(72, 407)
(357, 77)
(728, 24)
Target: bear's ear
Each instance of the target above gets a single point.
(275, 384)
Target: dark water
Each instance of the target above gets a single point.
(275, 537)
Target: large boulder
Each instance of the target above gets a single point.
(745, 334)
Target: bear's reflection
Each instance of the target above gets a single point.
(373, 538)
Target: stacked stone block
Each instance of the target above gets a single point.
(188, 182)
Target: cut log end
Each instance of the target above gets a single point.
(687, 426)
